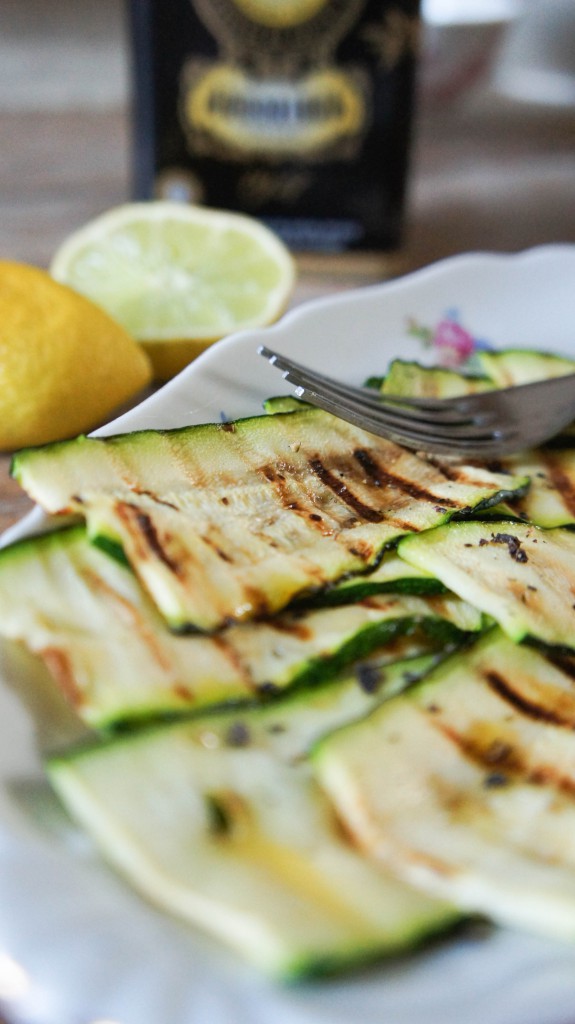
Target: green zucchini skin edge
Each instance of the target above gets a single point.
(318, 666)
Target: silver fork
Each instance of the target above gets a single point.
(482, 425)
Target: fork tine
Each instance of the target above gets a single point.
(387, 418)
(410, 427)
(478, 445)
(364, 402)
(431, 410)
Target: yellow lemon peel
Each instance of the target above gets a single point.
(65, 365)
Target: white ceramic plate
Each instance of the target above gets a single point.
(76, 945)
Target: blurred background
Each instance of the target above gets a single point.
(493, 163)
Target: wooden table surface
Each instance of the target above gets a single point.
(489, 175)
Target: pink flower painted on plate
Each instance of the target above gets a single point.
(453, 343)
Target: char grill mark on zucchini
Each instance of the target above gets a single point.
(230, 525)
(344, 492)
(502, 766)
(527, 696)
(382, 477)
(564, 660)
(528, 707)
(449, 472)
(141, 524)
(108, 648)
(300, 496)
(561, 472)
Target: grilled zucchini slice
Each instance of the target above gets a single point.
(521, 366)
(499, 369)
(227, 522)
(521, 575)
(108, 648)
(464, 784)
(412, 379)
(550, 499)
(220, 822)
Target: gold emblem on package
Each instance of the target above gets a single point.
(274, 90)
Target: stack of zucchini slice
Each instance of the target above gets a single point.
(328, 681)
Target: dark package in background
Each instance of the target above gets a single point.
(297, 112)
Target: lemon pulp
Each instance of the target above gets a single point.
(178, 277)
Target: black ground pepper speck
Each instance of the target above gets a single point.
(369, 677)
(238, 735)
(514, 548)
(495, 780)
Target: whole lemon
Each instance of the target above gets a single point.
(65, 364)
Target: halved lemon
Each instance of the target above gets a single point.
(178, 277)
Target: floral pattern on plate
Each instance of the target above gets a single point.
(453, 344)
